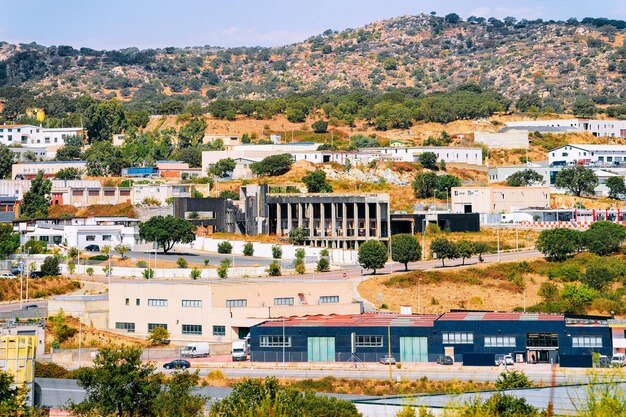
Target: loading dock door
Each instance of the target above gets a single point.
(413, 349)
(320, 349)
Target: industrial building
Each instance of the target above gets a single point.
(498, 199)
(598, 128)
(471, 337)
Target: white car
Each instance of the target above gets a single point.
(7, 276)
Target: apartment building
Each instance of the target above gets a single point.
(36, 136)
(498, 199)
(29, 170)
(220, 311)
(568, 155)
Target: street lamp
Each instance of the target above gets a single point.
(424, 238)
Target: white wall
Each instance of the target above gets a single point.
(513, 139)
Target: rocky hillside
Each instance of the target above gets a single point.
(558, 60)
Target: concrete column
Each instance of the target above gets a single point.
(367, 220)
(311, 212)
(300, 214)
(333, 220)
(289, 217)
(356, 220)
(279, 221)
(322, 219)
(345, 219)
(378, 220)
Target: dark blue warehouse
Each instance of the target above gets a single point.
(532, 337)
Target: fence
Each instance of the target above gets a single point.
(277, 356)
(31, 313)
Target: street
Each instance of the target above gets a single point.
(194, 257)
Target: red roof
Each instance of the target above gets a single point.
(500, 315)
(356, 320)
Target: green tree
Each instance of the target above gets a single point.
(104, 160)
(524, 178)
(274, 165)
(9, 241)
(68, 153)
(222, 167)
(37, 200)
(50, 266)
(513, 379)
(159, 336)
(480, 248)
(104, 119)
(405, 248)
(277, 251)
(362, 141)
(248, 249)
(558, 244)
(315, 182)
(424, 184)
(428, 160)
(119, 384)
(577, 180)
(167, 231)
(192, 133)
(224, 247)
(229, 195)
(372, 255)
(527, 101)
(452, 18)
(274, 269)
(13, 398)
(578, 298)
(584, 108)
(604, 237)
(6, 161)
(465, 249)
(616, 186)
(445, 183)
(122, 249)
(177, 397)
(320, 126)
(192, 155)
(598, 277)
(69, 174)
(297, 236)
(443, 249)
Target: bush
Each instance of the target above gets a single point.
(248, 249)
(195, 273)
(604, 237)
(558, 244)
(98, 258)
(300, 268)
(71, 267)
(50, 266)
(513, 379)
(141, 264)
(277, 252)
(50, 370)
(222, 270)
(274, 269)
(148, 273)
(89, 271)
(181, 262)
(224, 247)
(323, 265)
(35, 247)
(566, 272)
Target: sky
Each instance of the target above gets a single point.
(116, 24)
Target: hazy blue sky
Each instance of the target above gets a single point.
(113, 24)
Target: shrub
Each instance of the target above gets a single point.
(300, 254)
(50, 370)
(277, 252)
(181, 262)
(195, 273)
(148, 273)
(566, 272)
(35, 247)
(558, 244)
(248, 249)
(71, 267)
(384, 306)
(222, 270)
(224, 247)
(300, 268)
(323, 265)
(89, 271)
(98, 258)
(50, 266)
(207, 261)
(141, 264)
(159, 336)
(513, 379)
(274, 269)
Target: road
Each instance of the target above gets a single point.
(197, 257)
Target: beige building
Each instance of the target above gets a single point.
(90, 309)
(29, 170)
(498, 199)
(221, 311)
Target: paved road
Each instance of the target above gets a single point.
(194, 257)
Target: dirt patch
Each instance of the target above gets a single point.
(37, 288)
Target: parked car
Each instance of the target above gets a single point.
(387, 359)
(29, 306)
(16, 270)
(92, 248)
(445, 360)
(508, 360)
(177, 364)
(7, 275)
(604, 362)
(36, 274)
(618, 360)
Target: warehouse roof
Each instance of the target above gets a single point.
(498, 315)
(356, 320)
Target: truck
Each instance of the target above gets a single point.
(196, 350)
(240, 350)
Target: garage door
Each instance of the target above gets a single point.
(321, 349)
(413, 349)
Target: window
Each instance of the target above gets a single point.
(284, 301)
(192, 303)
(219, 330)
(329, 299)
(369, 341)
(90, 238)
(106, 238)
(151, 326)
(157, 302)
(500, 341)
(77, 192)
(137, 301)
(192, 329)
(129, 327)
(586, 341)
(127, 301)
(458, 338)
(124, 193)
(109, 193)
(237, 303)
(542, 340)
(275, 341)
(93, 192)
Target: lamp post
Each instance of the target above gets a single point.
(424, 238)
(498, 237)
(284, 342)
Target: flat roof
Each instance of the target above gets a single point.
(51, 162)
(356, 320)
(499, 315)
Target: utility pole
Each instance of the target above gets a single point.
(389, 350)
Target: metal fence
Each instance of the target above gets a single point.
(303, 357)
(31, 313)
(86, 355)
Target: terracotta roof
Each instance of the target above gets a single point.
(356, 320)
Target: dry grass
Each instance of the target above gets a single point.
(93, 338)
(122, 209)
(37, 288)
(601, 203)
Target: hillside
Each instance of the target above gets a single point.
(561, 61)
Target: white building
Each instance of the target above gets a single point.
(29, 170)
(598, 128)
(498, 199)
(33, 136)
(574, 154)
(80, 232)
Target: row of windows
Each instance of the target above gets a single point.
(275, 341)
(500, 341)
(369, 341)
(157, 302)
(192, 329)
(458, 337)
(587, 341)
(284, 301)
(152, 326)
(192, 303)
(129, 327)
(237, 303)
(329, 299)
(242, 302)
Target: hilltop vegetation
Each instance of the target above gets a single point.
(562, 63)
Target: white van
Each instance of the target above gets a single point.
(618, 360)
(196, 350)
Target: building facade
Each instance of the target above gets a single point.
(598, 128)
(29, 170)
(36, 136)
(498, 199)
